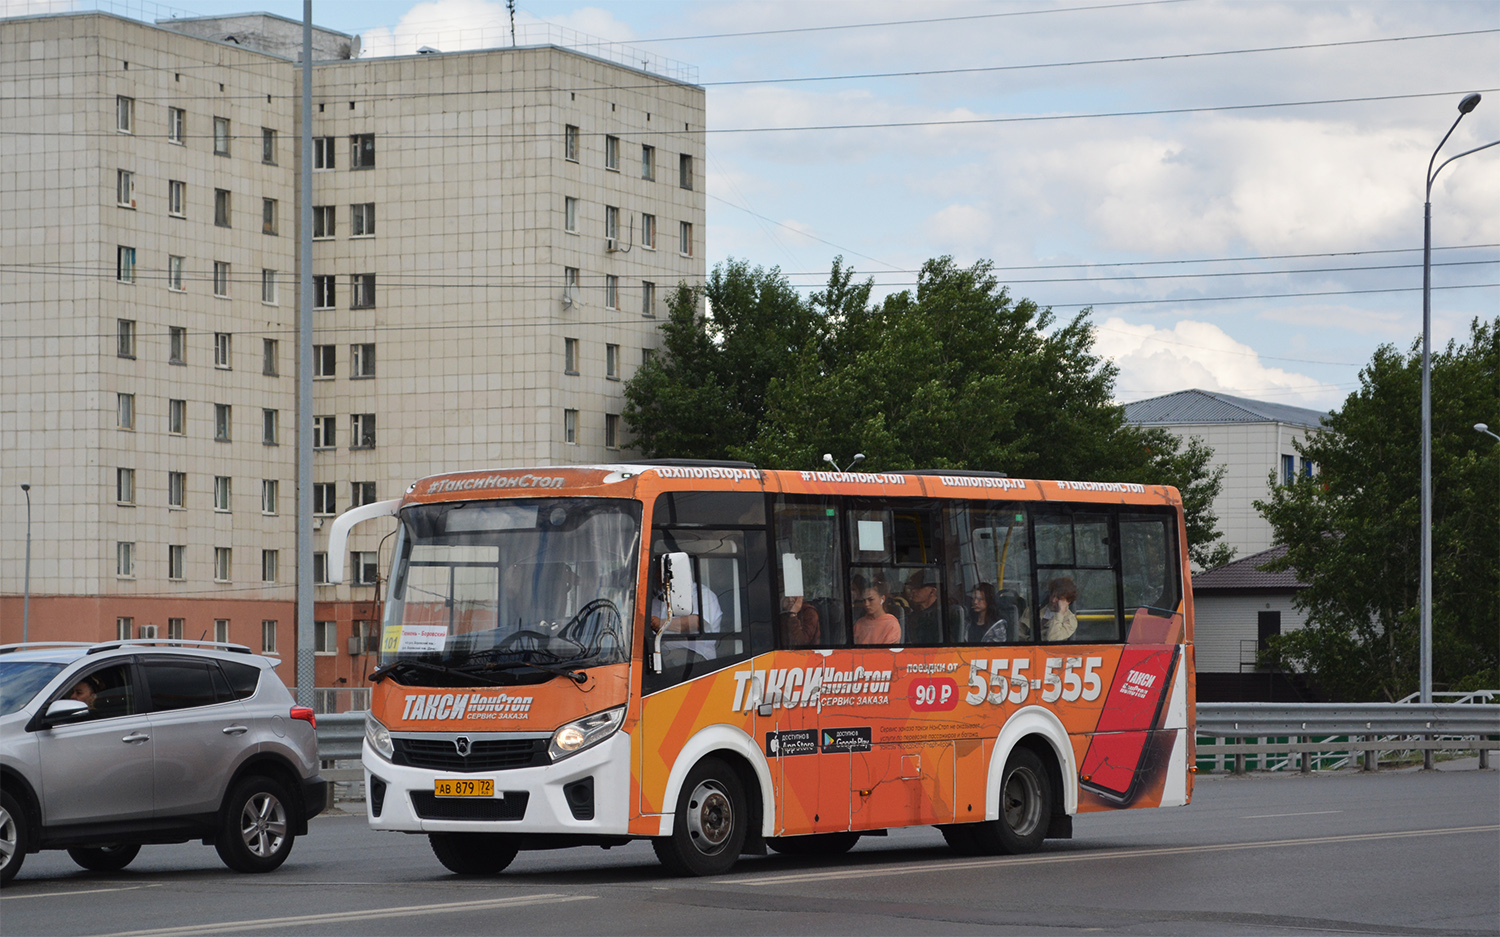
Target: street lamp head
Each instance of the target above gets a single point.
(1468, 103)
(25, 487)
(1482, 427)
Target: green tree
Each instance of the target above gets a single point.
(954, 375)
(1353, 531)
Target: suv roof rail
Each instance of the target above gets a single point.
(168, 642)
(28, 645)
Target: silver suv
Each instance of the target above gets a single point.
(107, 747)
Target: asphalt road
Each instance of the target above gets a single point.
(1411, 853)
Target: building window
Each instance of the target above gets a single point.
(270, 492)
(324, 362)
(570, 426)
(176, 198)
(320, 569)
(222, 344)
(222, 493)
(361, 494)
(648, 231)
(268, 212)
(174, 277)
(323, 222)
(124, 486)
(323, 148)
(125, 338)
(125, 264)
(648, 163)
(221, 136)
(270, 364)
(221, 422)
(176, 489)
(362, 220)
(223, 563)
(269, 560)
(177, 125)
(362, 360)
(123, 627)
(570, 214)
(125, 411)
(362, 431)
(648, 299)
(1308, 467)
(221, 208)
(267, 636)
(125, 188)
(325, 498)
(221, 279)
(362, 151)
(268, 287)
(270, 423)
(324, 435)
(570, 143)
(221, 630)
(175, 627)
(325, 637)
(612, 153)
(648, 355)
(176, 344)
(268, 146)
(124, 114)
(611, 291)
(1288, 469)
(611, 430)
(570, 284)
(362, 291)
(324, 293)
(177, 417)
(684, 171)
(612, 362)
(125, 560)
(570, 356)
(611, 226)
(364, 568)
(176, 560)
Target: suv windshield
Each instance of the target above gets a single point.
(511, 591)
(20, 680)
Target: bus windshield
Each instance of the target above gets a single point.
(511, 591)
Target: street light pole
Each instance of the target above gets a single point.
(1465, 106)
(26, 602)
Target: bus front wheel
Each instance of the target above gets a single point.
(709, 828)
(1026, 797)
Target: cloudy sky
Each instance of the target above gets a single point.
(1102, 153)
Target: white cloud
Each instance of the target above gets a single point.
(459, 25)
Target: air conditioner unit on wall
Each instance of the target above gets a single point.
(146, 631)
(610, 244)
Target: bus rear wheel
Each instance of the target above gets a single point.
(1026, 798)
(710, 824)
(473, 853)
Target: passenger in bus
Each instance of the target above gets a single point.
(875, 625)
(925, 623)
(1058, 620)
(986, 623)
(705, 617)
(800, 624)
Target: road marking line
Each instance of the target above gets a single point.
(86, 891)
(1305, 813)
(960, 865)
(339, 917)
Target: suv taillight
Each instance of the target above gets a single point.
(306, 715)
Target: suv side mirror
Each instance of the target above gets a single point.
(64, 710)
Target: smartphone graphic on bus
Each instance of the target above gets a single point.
(1123, 755)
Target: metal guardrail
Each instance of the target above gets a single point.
(340, 735)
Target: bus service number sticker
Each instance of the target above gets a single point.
(933, 694)
(464, 787)
(1003, 680)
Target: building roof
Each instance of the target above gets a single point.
(1245, 574)
(1202, 406)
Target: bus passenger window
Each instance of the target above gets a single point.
(1076, 578)
(991, 566)
(811, 593)
(1151, 577)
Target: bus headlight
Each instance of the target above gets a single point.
(583, 733)
(379, 737)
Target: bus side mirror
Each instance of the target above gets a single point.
(677, 583)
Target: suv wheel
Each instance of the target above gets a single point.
(255, 834)
(473, 853)
(105, 858)
(12, 837)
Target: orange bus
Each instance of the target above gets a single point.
(724, 660)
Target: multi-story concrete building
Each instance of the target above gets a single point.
(495, 233)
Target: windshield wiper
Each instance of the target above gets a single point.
(382, 672)
(577, 676)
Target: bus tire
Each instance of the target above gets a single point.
(473, 853)
(815, 844)
(1025, 808)
(710, 825)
